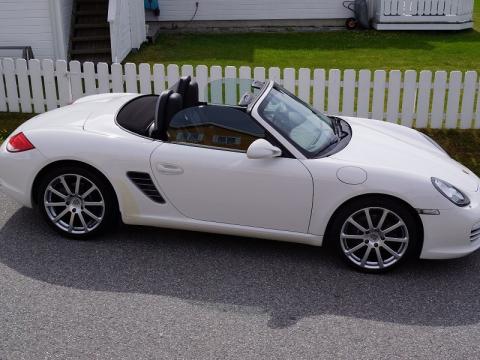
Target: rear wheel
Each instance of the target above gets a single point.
(375, 235)
(76, 202)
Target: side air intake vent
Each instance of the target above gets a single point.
(144, 182)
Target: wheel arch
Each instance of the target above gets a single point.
(59, 163)
(410, 208)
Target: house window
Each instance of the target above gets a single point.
(215, 126)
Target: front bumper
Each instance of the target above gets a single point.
(17, 173)
(451, 234)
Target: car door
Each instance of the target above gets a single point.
(204, 172)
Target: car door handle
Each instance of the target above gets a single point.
(169, 169)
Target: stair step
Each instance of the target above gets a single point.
(91, 38)
(92, 26)
(91, 51)
(92, 13)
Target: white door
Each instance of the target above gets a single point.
(204, 172)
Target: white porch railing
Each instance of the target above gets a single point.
(424, 11)
(127, 27)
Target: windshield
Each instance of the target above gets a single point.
(310, 131)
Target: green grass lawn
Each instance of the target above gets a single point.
(400, 50)
(462, 145)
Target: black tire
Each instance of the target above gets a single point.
(96, 218)
(345, 236)
(351, 24)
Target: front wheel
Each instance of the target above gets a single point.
(76, 202)
(375, 235)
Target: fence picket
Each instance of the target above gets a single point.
(117, 78)
(131, 78)
(363, 100)
(259, 73)
(49, 83)
(103, 78)
(378, 102)
(468, 99)
(23, 85)
(453, 100)
(202, 80)
(89, 78)
(409, 96)
(37, 87)
(63, 84)
(423, 104)
(187, 70)
(11, 85)
(348, 92)
(231, 85)
(275, 74)
(438, 103)
(393, 99)
(289, 79)
(476, 124)
(158, 78)
(3, 95)
(76, 79)
(245, 79)
(319, 89)
(173, 74)
(304, 84)
(334, 92)
(145, 79)
(216, 88)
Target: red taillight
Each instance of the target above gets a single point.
(19, 143)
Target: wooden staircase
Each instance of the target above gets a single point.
(90, 33)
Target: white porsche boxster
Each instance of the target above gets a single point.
(271, 167)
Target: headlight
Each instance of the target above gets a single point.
(450, 192)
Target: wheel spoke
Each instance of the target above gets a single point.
(348, 236)
(93, 203)
(82, 219)
(379, 257)
(355, 248)
(59, 216)
(389, 249)
(365, 257)
(88, 192)
(56, 192)
(369, 219)
(55, 204)
(382, 219)
(77, 185)
(64, 183)
(393, 227)
(70, 224)
(399, 240)
(93, 216)
(357, 225)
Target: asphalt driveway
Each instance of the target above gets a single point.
(155, 293)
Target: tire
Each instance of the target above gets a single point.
(86, 210)
(379, 244)
(351, 23)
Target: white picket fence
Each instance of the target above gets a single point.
(424, 99)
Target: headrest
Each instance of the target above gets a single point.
(174, 105)
(191, 97)
(181, 86)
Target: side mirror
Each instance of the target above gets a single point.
(262, 149)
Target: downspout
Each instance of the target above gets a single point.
(58, 35)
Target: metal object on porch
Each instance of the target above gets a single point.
(360, 10)
(27, 52)
(423, 14)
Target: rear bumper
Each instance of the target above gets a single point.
(17, 173)
(449, 235)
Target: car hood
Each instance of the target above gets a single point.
(399, 148)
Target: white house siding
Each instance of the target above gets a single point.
(66, 21)
(181, 10)
(26, 23)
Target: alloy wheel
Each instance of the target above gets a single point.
(374, 238)
(74, 204)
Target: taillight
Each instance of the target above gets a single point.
(19, 143)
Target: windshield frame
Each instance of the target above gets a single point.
(325, 151)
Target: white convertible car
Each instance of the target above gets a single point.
(271, 167)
